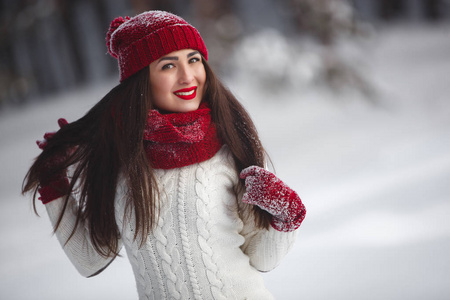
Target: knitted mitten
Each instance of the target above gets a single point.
(55, 186)
(264, 189)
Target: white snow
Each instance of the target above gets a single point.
(374, 179)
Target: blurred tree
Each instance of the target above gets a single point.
(433, 9)
(323, 19)
(390, 9)
(303, 49)
(14, 81)
(215, 21)
(415, 10)
(327, 21)
(66, 9)
(51, 45)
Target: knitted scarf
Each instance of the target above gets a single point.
(180, 139)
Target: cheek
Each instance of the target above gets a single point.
(159, 86)
(201, 75)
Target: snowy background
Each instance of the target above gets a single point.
(373, 176)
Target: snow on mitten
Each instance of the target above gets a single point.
(55, 186)
(268, 192)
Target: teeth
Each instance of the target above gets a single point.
(185, 93)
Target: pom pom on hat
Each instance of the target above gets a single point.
(138, 41)
(114, 25)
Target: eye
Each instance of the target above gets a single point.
(194, 60)
(167, 66)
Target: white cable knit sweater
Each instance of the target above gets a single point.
(204, 246)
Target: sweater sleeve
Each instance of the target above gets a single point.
(265, 248)
(78, 248)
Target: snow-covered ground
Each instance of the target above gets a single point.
(375, 181)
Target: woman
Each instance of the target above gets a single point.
(169, 165)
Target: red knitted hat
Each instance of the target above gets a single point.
(138, 41)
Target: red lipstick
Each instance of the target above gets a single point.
(187, 93)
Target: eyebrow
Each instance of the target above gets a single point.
(176, 57)
(192, 54)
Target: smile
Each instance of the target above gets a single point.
(187, 94)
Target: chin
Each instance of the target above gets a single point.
(190, 107)
(180, 107)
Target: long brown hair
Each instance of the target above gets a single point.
(237, 131)
(107, 144)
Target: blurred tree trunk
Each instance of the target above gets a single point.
(390, 9)
(89, 33)
(15, 72)
(66, 9)
(416, 10)
(434, 9)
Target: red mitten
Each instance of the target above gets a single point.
(264, 189)
(58, 185)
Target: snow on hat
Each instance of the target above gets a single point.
(138, 41)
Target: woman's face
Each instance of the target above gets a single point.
(177, 81)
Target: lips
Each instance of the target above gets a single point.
(186, 94)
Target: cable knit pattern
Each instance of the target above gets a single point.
(205, 245)
(205, 208)
(184, 235)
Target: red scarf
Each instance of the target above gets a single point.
(180, 139)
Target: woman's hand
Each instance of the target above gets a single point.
(55, 186)
(48, 135)
(264, 189)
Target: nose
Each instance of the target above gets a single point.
(186, 76)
